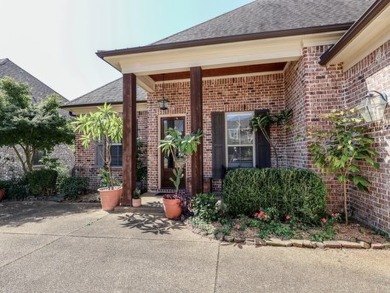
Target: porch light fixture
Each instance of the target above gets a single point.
(372, 108)
(163, 102)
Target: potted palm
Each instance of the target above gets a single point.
(106, 127)
(180, 148)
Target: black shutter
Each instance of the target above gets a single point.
(218, 144)
(263, 149)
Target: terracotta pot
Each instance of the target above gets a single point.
(110, 199)
(2, 193)
(172, 208)
(136, 202)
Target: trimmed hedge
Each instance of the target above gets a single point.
(42, 182)
(298, 193)
(74, 186)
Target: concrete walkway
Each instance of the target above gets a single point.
(51, 247)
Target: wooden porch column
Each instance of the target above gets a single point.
(129, 137)
(196, 123)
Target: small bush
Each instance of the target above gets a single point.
(16, 189)
(204, 207)
(42, 182)
(298, 193)
(73, 187)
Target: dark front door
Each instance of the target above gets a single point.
(167, 164)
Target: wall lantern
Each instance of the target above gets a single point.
(163, 102)
(372, 108)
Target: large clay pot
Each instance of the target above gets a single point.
(2, 193)
(172, 208)
(110, 199)
(136, 202)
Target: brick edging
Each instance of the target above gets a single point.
(276, 242)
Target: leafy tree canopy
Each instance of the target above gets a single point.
(28, 127)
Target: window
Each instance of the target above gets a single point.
(37, 157)
(234, 145)
(239, 140)
(116, 155)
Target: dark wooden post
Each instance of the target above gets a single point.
(196, 123)
(129, 136)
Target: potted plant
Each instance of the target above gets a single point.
(180, 148)
(2, 189)
(136, 199)
(106, 127)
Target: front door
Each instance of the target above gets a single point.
(167, 164)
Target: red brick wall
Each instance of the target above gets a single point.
(324, 91)
(85, 164)
(373, 73)
(311, 91)
(226, 94)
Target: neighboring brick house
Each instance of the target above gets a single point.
(309, 56)
(87, 161)
(10, 166)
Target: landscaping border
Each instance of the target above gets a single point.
(301, 243)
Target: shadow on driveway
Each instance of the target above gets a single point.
(15, 214)
(149, 223)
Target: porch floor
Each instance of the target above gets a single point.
(151, 204)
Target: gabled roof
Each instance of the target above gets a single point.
(39, 90)
(274, 15)
(111, 93)
(259, 20)
(365, 35)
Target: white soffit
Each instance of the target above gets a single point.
(261, 51)
(376, 33)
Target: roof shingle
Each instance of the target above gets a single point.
(39, 90)
(274, 15)
(110, 93)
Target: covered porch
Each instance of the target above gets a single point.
(201, 79)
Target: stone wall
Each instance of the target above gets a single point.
(10, 166)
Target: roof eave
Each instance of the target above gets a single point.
(222, 40)
(354, 30)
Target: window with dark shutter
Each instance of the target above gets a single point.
(116, 155)
(233, 147)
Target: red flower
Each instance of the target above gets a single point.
(323, 220)
(288, 218)
(265, 216)
(333, 215)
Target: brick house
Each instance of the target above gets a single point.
(10, 166)
(308, 56)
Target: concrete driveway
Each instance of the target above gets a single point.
(51, 247)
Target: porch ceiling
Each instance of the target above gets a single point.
(237, 70)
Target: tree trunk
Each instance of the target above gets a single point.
(345, 202)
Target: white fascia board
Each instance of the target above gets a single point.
(375, 34)
(92, 109)
(220, 55)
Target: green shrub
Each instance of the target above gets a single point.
(16, 189)
(73, 187)
(298, 193)
(42, 182)
(204, 207)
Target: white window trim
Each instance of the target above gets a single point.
(240, 145)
